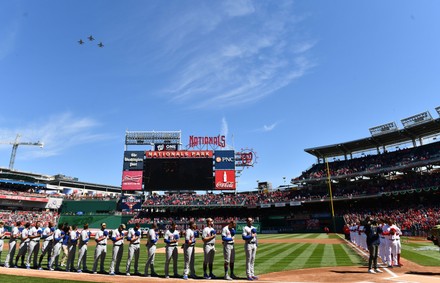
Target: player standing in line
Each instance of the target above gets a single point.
(153, 237)
(82, 248)
(15, 233)
(2, 237)
(171, 239)
(188, 250)
(71, 245)
(118, 249)
(57, 242)
(228, 236)
(24, 244)
(34, 244)
(250, 247)
(208, 238)
(397, 246)
(372, 233)
(134, 237)
(47, 246)
(101, 249)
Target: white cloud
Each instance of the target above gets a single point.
(249, 52)
(59, 134)
(224, 129)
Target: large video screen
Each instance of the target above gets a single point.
(161, 174)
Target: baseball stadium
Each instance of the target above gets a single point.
(178, 207)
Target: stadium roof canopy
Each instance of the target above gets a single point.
(406, 135)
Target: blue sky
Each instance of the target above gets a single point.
(273, 76)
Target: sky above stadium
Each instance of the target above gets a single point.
(276, 77)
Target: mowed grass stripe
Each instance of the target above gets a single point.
(298, 257)
(316, 256)
(328, 256)
(342, 256)
(277, 262)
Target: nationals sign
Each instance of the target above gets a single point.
(225, 180)
(132, 180)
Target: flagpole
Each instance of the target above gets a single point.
(331, 195)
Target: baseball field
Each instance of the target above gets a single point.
(280, 258)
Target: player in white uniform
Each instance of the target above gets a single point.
(15, 233)
(118, 249)
(74, 235)
(84, 239)
(250, 247)
(24, 244)
(101, 249)
(208, 238)
(47, 246)
(56, 251)
(34, 244)
(134, 237)
(2, 237)
(228, 237)
(395, 244)
(171, 239)
(188, 250)
(151, 250)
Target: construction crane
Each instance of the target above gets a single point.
(15, 145)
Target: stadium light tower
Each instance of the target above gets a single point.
(15, 145)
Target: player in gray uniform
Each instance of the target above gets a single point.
(34, 244)
(188, 250)
(47, 246)
(171, 239)
(57, 242)
(118, 249)
(208, 238)
(134, 237)
(228, 237)
(71, 245)
(101, 249)
(250, 248)
(151, 249)
(84, 239)
(24, 244)
(2, 237)
(15, 233)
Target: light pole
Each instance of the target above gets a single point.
(284, 179)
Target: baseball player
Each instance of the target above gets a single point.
(395, 245)
(34, 243)
(151, 249)
(250, 247)
(101, 248)
(82, 248)
(228, 236)
(58, 236)
(208, 238)
(118, 249)
(71, 245)
(171, 239)
(24, 244)
(188, 250)
(134, 237)
(15, 233)
(2, 237)
(47, 246)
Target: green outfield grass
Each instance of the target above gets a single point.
(272, 257)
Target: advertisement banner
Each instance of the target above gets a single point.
(225, 180)
(166, 147)
(54, 203)
(224, 159)
(23, 198)
(179, 154)
(131, 203)
(132, 180)
(133, 160)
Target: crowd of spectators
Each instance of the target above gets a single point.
(10, 217)
(372, 163)
(187, 199)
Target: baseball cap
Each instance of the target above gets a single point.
(123, 226)
(103, 224)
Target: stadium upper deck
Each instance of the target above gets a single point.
(411, 133)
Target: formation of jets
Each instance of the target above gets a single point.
(91, 38)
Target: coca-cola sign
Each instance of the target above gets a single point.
(225, 180)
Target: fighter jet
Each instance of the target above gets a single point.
(100, 44)
(91, 38)
(80, 41)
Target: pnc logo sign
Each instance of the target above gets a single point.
(224, 159)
